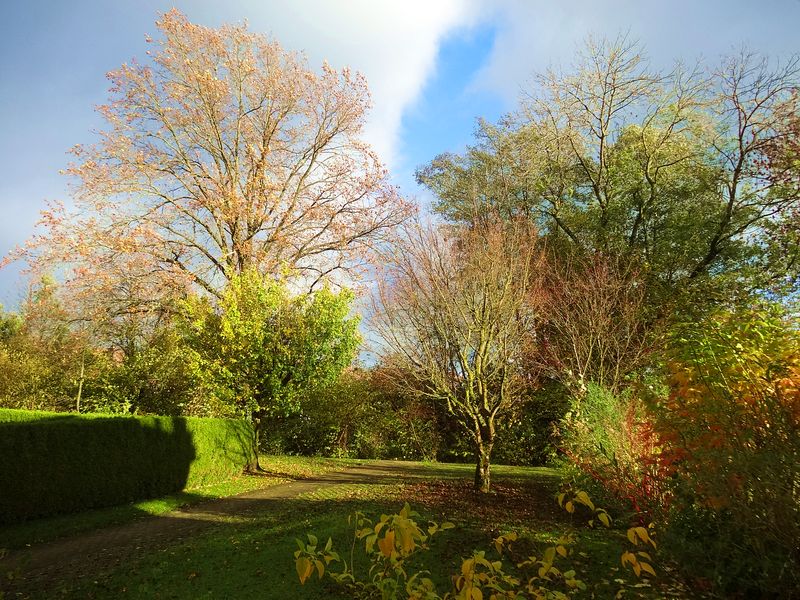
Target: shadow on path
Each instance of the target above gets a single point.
(41, 567)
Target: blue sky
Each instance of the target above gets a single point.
(434, 66)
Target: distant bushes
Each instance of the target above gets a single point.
(364, 414)
(361, 416)
(60, 462)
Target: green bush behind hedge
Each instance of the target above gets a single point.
(53, 463)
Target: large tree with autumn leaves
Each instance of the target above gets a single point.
(222, 152)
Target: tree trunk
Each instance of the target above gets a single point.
(484, 440)
(80, 383)
(258, 423)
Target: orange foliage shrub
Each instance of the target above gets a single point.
(730, 445)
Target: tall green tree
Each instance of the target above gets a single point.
(43, 360)
(670, 171)
(261, 346)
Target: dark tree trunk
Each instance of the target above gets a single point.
(258, 424)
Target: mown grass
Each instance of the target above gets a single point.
(303, 467)
(278, 469)
(254, 559)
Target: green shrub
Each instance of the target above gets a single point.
(54, 463)
(526, 437)
(608, 439)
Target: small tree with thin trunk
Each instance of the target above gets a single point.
(596, 327)
(455, 311)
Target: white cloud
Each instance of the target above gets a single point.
(394, 43)
(532, 35)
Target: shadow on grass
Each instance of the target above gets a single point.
(30, 533)
(254, 558)
(172, 550)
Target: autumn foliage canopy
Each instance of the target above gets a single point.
(222, 152)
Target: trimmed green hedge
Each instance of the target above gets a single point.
(54, 463)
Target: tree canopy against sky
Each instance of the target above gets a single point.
(670, 169)
(222, 152)
(431, 70)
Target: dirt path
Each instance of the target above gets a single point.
(42, 567)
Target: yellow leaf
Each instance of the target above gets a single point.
(304, 569)
(406, 541)
(466, 566)
(632, 535)
(386, 544)
(604, 519)
(648, 568)
(642, 533)
(479, 559)
(584, 499)
(542, 571)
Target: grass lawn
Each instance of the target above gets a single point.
(254, 559)
(279, 469)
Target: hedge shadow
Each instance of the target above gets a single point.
(62, 463)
